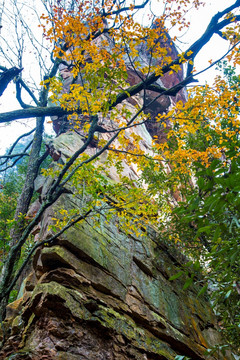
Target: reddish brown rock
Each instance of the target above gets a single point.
(99, 294)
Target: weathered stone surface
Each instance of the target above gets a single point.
(100, 294)
(97, 293)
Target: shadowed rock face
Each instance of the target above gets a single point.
(99, 294)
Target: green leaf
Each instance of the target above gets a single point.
(201, 183)
(176, 276)
(197, 266)
(188, 283)
(227, 294)
(234, 257)
(216, 234)
(194, 204)
(205, 229)
(203, 290)
(234, 219)
(214, 164)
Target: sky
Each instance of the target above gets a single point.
(217, 47)
(199, 20)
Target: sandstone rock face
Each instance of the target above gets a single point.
(99, 294)
(96, 293)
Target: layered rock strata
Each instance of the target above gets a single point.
(97, 294)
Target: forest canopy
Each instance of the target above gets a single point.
(98, 68)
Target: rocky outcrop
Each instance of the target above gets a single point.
(97, 293)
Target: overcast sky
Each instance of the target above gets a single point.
(199, 20)
(217, 47)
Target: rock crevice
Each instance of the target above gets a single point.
(93, 296)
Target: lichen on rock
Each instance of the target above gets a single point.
(98, 293)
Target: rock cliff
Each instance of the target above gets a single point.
(96, 293)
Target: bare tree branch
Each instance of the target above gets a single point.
(7, 76)
(19, 96)
(13, 156)
(33, 112)
(190, 54)
(18, 139)
(127, 8)
(28, 90)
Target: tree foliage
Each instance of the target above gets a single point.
(206, 222)
(187, 185)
